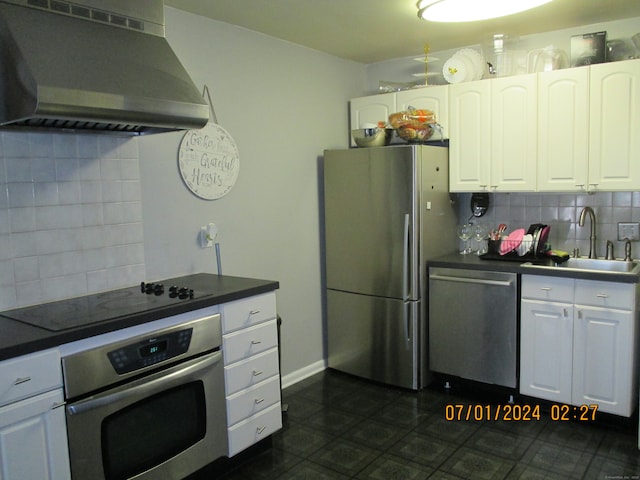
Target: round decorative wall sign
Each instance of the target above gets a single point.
(209, 162)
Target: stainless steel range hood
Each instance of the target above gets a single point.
(93, 65)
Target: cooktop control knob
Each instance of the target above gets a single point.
(180, 292)
(185, 292)
(158, 289)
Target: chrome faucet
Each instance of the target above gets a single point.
(610, 255)
(592, 236)
(627, 250)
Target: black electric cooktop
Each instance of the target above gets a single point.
(100, 307)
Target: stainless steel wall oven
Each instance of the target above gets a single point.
(148, 401)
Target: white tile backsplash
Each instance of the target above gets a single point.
(22, 219)
(561, 212)
(21, 194)
(70, 216)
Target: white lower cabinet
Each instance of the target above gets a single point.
(251, 369)
(255, 428)
(579, 342)
(33, 433)
(546, 334)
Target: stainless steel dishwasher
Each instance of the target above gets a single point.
(473, 324)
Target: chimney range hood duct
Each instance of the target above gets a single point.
(93, 66)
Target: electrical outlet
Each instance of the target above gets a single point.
(205, 242)
(207, 235)
(630, 230)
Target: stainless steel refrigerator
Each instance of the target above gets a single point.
(387, 211)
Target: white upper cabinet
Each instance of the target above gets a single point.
(372, 109)
(614, 141)
(493, 135)
(470, 140)
(434, 98)
(563, 130)
(569, 130)
(514, 103)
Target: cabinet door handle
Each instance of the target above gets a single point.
(20, 380)
(545, 289)
(254, 312)
(255, 342)
(258, 401)
(257, 373)
(58, 405)
(259, 430)
(566, 313)
(602, 295)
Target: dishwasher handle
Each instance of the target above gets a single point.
(481, 281)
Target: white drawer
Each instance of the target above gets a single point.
(553, 289)
(254, 429)
(248, 311)
(250, 341)
(249, 372)
(29, 375)
(605, 294)
(248, 402)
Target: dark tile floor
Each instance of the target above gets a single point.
(341, 427)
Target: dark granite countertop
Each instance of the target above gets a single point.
(473, 262)
(20, 338)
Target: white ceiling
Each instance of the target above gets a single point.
(368, 31)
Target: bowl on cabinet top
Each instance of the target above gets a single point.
(372, 137)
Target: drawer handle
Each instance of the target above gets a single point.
(259, 430)
(545, 289)
(22, 380)
(254, 312)
(257, 373)
(602, 295)
(58, 405)
(255, 342)
(258, 401)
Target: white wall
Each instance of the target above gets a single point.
(283, 105)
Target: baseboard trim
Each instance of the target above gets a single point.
(305, 372)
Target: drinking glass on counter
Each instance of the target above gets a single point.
(481, 235)
(465, 231)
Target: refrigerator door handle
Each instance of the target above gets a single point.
(405, 260)
(406, 318)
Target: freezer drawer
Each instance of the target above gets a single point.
(473, 324)
(373, 337)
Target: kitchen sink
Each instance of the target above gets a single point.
(599, 265)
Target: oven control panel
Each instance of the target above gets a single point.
(150, 351)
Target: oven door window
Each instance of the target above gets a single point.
(153, 430)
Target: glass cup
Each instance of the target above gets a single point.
(465, 231)
(481, 235)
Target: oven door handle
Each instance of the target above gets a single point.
(146, 386)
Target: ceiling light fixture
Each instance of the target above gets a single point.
(472, 10)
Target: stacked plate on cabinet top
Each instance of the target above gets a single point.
(465, 65)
